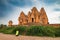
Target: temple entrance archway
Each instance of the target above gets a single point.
(32, 19)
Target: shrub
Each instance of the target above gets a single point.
(21, 29)
(35, 30)
(32, 30)
(41, 31)
(57, 32)
(49, 31)
(8, 30)
(12, 30)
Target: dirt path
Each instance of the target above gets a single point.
(13, 37)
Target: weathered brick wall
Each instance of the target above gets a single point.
(33, 17)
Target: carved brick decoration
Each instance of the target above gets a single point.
(33, 17)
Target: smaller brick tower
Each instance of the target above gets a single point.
(10, 23)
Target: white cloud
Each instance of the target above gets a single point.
(53, 16)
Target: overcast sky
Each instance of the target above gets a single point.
(10, 9)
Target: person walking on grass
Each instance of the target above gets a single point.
(17, 33)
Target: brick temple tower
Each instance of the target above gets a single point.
(34, 17)
(43, 16)
(10, 23)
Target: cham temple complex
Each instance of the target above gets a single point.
(33, 17)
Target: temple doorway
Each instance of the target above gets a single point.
(32, 19)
